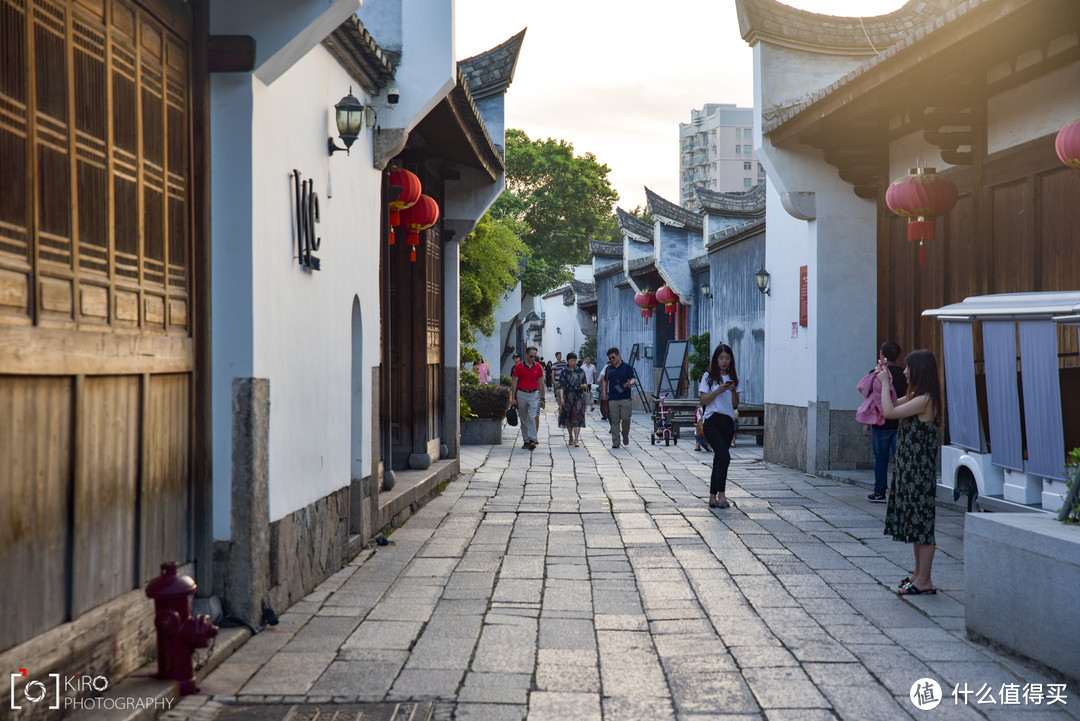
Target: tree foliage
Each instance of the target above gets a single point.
(490, 260)
(560, 199)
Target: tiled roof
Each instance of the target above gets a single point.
(671, 213)
(360, 55)
(910, 24)
(699, 262)
(734, 232)
(461, 96)
(747, 204)
(583, 287)
(634, 226)
(604, 249)
(784, 25)
(492, 71)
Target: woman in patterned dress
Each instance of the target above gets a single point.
(909, 516)
(572, 384)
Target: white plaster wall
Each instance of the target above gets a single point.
(560, 318)
(1033, 109)
(788, 367)
(839, 248)
(299, 322)
(302, 326)
(231, 280)
(793, 74)
(506, 316)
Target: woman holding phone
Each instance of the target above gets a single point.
(719, 394)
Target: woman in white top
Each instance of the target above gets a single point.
(719, 393)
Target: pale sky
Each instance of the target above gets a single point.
(616, 77)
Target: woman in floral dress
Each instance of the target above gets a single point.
(572, 384)
(909, 516)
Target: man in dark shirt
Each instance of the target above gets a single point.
(556, 370)
(883, 437)
(615, 389)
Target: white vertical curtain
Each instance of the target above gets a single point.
(964, 425)
(1002, 394)
(1042, 399)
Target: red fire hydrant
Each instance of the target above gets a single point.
(178, 632)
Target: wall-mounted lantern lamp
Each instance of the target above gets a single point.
(761, 278)
(594, 317)
(706, 291)
(349, 113)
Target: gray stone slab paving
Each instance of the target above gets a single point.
(589, 583)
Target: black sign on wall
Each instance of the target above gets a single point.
(307, 215)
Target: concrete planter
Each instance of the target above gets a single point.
(1021, 572)
(481, 432)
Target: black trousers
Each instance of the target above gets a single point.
(719, 430)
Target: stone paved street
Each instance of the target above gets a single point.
(592, 583)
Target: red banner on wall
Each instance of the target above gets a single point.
(803, 309)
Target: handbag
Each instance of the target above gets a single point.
(512, 416)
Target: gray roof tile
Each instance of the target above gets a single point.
(492, 71)
(672, 213)
(746, 204)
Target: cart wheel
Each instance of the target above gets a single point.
(652, 439)
(676, 439)
(667, 441)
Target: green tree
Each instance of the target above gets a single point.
(561, 201)
(490, 260)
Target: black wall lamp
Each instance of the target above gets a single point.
(761, 278)
(349, 113)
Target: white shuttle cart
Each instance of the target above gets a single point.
(1012, 416)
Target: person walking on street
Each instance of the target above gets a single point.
(719, 393)
(572, 385)
(604, 415)
(590, 379)
(527, 391)
(615, 389)
(556, 371)
(883, 435)
(909, 516)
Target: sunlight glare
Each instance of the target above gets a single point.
(847, 8)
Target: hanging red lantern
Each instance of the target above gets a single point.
(1067, 144)
(410, 193)
(422, 215)
(646, 301)
(670, 300)
(920, 196)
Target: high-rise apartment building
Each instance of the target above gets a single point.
(716, 149)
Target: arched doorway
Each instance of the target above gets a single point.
(358, 493)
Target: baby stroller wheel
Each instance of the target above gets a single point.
(667, 440)
(652, 439)
(676, 439)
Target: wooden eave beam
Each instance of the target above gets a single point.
(461, 117)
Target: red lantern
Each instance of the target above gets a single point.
(1067, 144)
(920, 196)
(670, 300)
(410, 193)
(421, 216)
(647, 301)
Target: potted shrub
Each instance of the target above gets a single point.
(487, 406)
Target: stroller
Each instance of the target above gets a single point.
(663, 428)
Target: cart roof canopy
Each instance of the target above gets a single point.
(1063, 307)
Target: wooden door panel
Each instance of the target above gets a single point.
(164, 516)
(35, 474)
(106, 474)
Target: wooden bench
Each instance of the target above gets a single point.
(683, 410)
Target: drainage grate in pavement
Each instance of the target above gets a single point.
(413, 711)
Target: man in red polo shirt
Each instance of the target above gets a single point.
(527, 390)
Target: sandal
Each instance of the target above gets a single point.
(906, 581)
(912, 590)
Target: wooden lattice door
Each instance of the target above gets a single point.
(96, 348)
